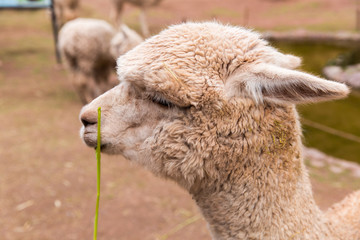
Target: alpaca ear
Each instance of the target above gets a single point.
(270, 82)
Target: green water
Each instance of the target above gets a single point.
(343, 115)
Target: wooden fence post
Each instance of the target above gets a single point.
(55, 31)
(357, 15)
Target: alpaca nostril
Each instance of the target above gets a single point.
(88, 119)
(86, 122)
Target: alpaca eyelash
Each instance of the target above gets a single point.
(160, 101)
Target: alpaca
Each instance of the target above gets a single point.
(143, 4)
(90, 47)
(123, 41)
(65, 10)
(212, 107)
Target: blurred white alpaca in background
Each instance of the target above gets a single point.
(90, 48)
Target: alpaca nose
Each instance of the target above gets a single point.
(88, 118)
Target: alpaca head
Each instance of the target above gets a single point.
(198, 95)
(123, 41)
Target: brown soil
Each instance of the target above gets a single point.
(48, 176)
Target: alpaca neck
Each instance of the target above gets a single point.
(255, 184)
(263, 190)
(254, 209)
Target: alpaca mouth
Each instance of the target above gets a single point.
(90, 139)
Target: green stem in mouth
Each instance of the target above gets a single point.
(98, 158)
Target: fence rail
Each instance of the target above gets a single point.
(330, 130)
(25, 4)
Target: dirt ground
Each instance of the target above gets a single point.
(48, 176)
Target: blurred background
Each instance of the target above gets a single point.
(48, 176)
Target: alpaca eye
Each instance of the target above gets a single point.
(162, 102)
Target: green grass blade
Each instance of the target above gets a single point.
(98, 158)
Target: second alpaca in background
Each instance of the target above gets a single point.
(89, 48)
